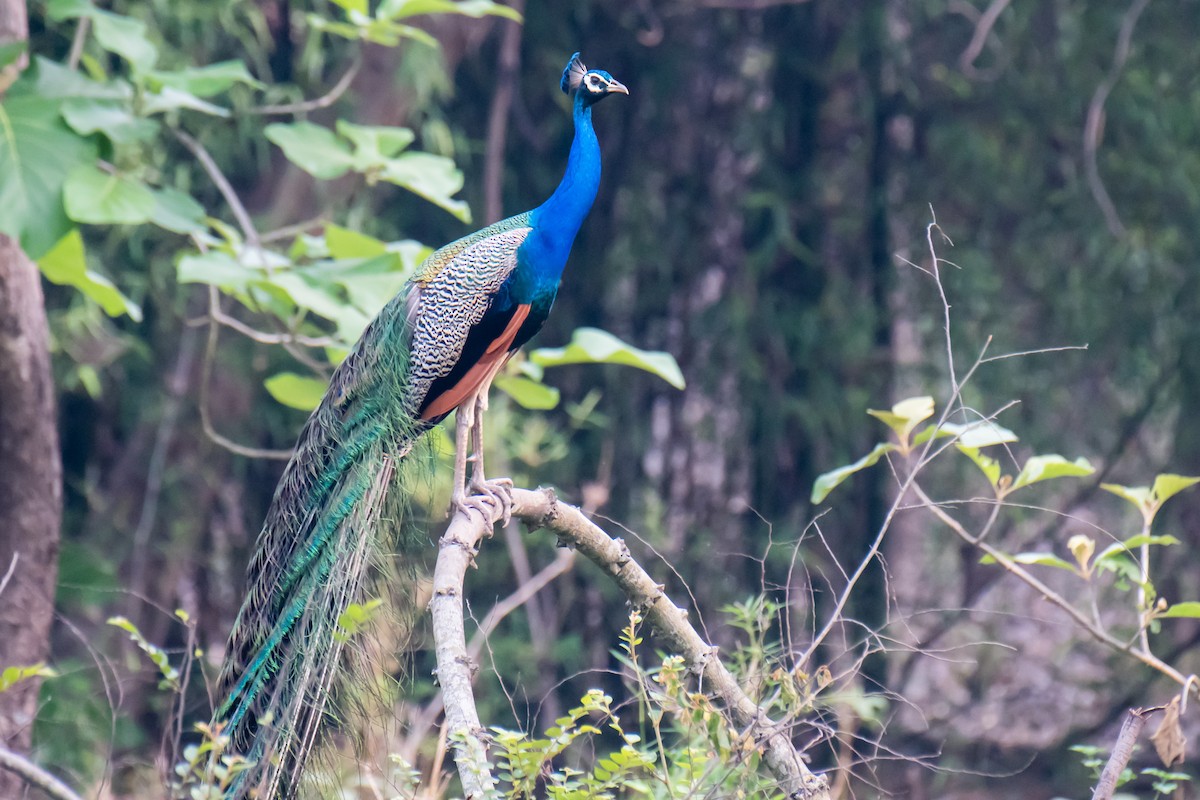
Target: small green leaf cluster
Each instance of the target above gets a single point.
(207, 770)
(170, 675)
(527, 763)
(1164, 782)
(11, 676)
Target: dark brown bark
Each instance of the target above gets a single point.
(30, 493)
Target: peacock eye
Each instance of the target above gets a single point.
(593, 81)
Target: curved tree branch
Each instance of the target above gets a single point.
(542, 509)
(35, 776)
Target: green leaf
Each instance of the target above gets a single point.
(905, 415)
(345, 243)
(110, 117)
(92, 195)
(314, 149)
(1189, 609)
(37, 150)
(217, 268)
(399, 9)
(980, 433)
(208, 80)
(374, 144)
(1043, 468)
(51, 79)
(434, 178)
(1138, 495)
(1041, 559)
(296, 391)
(177, 211)
(827, 482)
(125, 36)
(1167, 486)
(66, 265)
(354, 6)
(594, 346)
(11, 676)
(528, 393)
(356, 617)
(989, 465)
(11, 51)
(170, 99)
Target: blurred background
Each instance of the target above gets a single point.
(765, 185)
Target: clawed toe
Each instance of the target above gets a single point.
(498, 492)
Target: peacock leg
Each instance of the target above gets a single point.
(463, 427)
(499, 490)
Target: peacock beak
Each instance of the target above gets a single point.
(617, 86)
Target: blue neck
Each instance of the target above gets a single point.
(558, 219)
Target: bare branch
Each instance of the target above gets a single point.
(223, 186)
(35, 775)
(1122, 752)
(983, 29)
(1094, 127)
(542, 509)
(324, 101)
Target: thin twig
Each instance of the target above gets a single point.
(983, 29)
(324, 101)
(223, 186)
(1006, 561)
(1093, 127)
(210, 357)
(12, 568)
(35, 775)
(78, 41)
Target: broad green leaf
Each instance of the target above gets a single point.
(1141, 539)
(1138, 495)
(215, 267)
(11, 51)
(177, 211)
(125, 36)
(296, 391)
(66, 265)
(594, 346)
(345, 243)
(932, 432)
(314, 149)
(1040, 559)
(1167, 486)
(905, 415)
(528, 393)
(1189, 609)
(11, 676)
(980, 433)
(434, 178)
(208, 80)
(37, 150)
(356, 6)
(109, 117)
(827, 482)
(374, 144)
(989, 465)
(102, 198)
(51, 79)
(1043, 468)
(170, 99)
(399, 9)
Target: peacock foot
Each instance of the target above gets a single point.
(497, 492)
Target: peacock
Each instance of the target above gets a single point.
(340, 503)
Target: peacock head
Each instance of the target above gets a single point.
(592, 85)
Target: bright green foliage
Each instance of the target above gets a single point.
(592, 346)
(66, 265)
(11, 676)
(170, 675)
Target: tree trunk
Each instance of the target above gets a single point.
(30, 493)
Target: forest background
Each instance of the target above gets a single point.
(762, 218)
